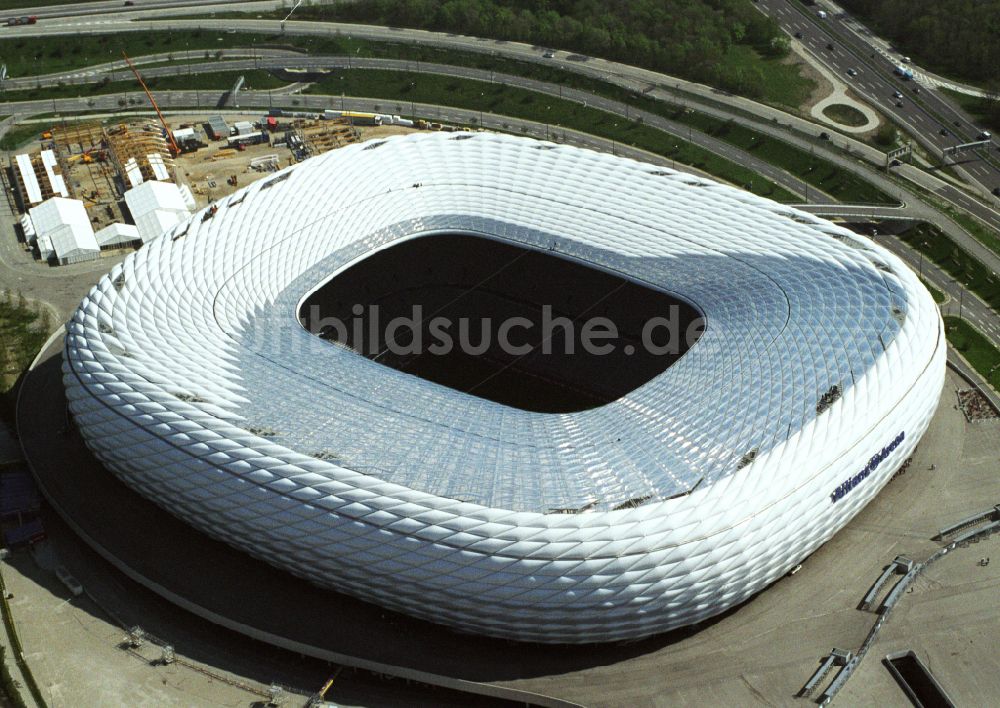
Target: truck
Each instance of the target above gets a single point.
(355, 117)
(23, 20)
(903, 72)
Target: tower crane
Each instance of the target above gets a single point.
(174, 150)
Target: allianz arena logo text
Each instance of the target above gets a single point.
(417, 334)
(873, 463)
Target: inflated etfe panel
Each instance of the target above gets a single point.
(820, 365)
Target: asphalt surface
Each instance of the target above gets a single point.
(762, 651)
(912, 208)
(924, 114)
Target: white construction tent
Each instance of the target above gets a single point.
(38, 178)
(63, 230)
(156, 207)
(117, 235)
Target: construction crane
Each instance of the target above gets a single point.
(174, 150)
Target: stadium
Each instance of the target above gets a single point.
(571, 498)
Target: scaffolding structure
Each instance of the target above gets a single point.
(139, 155)
(75, 138)
(37, 178)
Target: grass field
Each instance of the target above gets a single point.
(23, 331)
(30, 56)
(935, 293)
(977, 108)
(255, 79)
(956, 261)
(977, 349)
(399, 88)
(783, 84)
(817, 172)
(6, 5)
(18, 136)
(845, 115)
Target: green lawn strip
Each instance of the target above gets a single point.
(819, 173)
(984, 111)
(845, 115)
(19, 135)
(23, 331)
(255, 79)
(976, 348)
(32, 56)
(399, 88)
(25, 5)
(934, 244)
(980, 231)
(935, 293)
(779, 82)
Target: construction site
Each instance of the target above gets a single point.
(100, 187)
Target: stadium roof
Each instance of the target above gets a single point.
(821, 364)
(797, 311)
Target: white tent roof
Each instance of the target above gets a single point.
(117, 234)
(159, 168)
(28, 227)
(55, 179)
(156, 206)
(26, 174)
(65, 225)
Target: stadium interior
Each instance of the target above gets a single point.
(479, 283)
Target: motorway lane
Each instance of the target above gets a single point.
(638, 79)
(985, 318)
(923, 116)
(78, 9)
(634, 78)
(627, 113)
(621, 74)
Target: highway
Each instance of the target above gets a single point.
(924, 114)
(796, 131)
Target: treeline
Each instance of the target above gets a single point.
(960, 38)
(694, 39)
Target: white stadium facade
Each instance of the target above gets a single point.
(192, 378)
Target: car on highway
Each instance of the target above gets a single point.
(852, 72)
(895, 163)
(897, 94)
(984, 135)
(549, 54)
(943, 131)
(824, 136)
(829, 45)
(798, 35)
(996, 191)
(899, 104)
